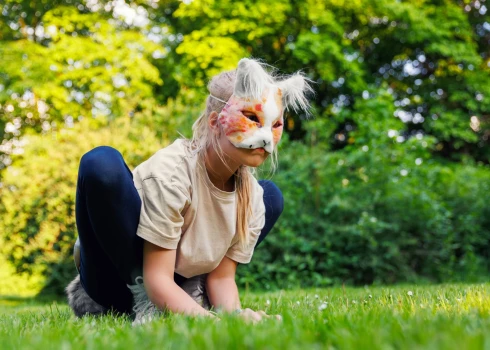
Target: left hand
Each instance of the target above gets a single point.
(264, 315)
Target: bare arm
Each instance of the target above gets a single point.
(221, 286)
(223, 292)
(158, 276)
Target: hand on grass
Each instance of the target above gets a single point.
(263, 314)
(256, 316)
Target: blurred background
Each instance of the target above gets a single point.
(387, 182)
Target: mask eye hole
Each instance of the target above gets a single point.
(252, 117)
(277, 124)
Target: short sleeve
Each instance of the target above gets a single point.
(243, 255)
(161, 216)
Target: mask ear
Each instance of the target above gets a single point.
(251, 79)
(294, 91)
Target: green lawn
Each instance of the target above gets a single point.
(401, 317)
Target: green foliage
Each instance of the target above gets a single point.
(18, 284)
(38, 193)
(377, 211)
(427, 54)
(387, 183)
(89, 69)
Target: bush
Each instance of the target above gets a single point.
(357, 217)
(376, 211)
(38, 194)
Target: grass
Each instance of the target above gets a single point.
(401, 317)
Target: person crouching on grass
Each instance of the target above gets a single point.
(169, 235)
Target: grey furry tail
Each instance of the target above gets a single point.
(80, 302)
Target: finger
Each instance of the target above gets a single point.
(257, 317)
(248, 312)
(278, 317)
(248, 315)
(263, 314)
(254, 315)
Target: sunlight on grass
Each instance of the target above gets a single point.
(445, 316)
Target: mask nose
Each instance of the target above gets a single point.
(268, 144)
(262, 138)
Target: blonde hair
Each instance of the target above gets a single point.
(251, 75)
(221, 86)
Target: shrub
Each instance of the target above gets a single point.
(38, 194)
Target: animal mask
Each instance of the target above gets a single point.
(253, 116)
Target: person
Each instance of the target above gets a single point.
(169, 235)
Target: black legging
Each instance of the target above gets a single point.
(107, 213)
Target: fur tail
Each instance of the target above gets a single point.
(80, 302)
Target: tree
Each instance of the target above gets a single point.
(402, 99)
(83, 67)
(430, 55)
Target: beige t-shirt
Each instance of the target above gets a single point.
(182, 209)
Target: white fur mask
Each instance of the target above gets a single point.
(253, 116)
